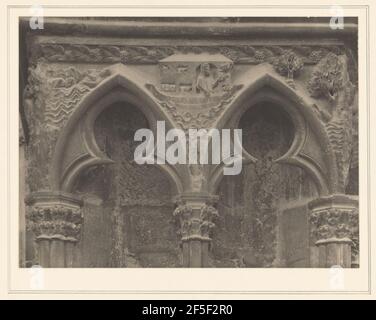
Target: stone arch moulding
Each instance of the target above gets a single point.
(309, 130)
(76, 148)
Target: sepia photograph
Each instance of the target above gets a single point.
(287, 86)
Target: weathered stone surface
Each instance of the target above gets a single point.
(295, 233)
(151, 54)
(251, 204)
(134, 201)
(90, 86)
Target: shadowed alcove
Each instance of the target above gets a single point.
(266, 199)
(128, 207)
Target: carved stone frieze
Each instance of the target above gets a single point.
(135, 54)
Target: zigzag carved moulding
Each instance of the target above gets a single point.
(132, 54)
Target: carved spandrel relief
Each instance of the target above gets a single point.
(205, 74)
(59, 90)
(330, 80)
(68, 86)
(51, 95)
(194, 88)
(288, 64)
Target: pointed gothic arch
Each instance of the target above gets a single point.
(267, 87)
(76, 148)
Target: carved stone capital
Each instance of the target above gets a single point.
(334, 219)
(196, 220)
(54, 216)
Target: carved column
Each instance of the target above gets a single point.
(55, 219)
(196, 215)
(334, 230)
